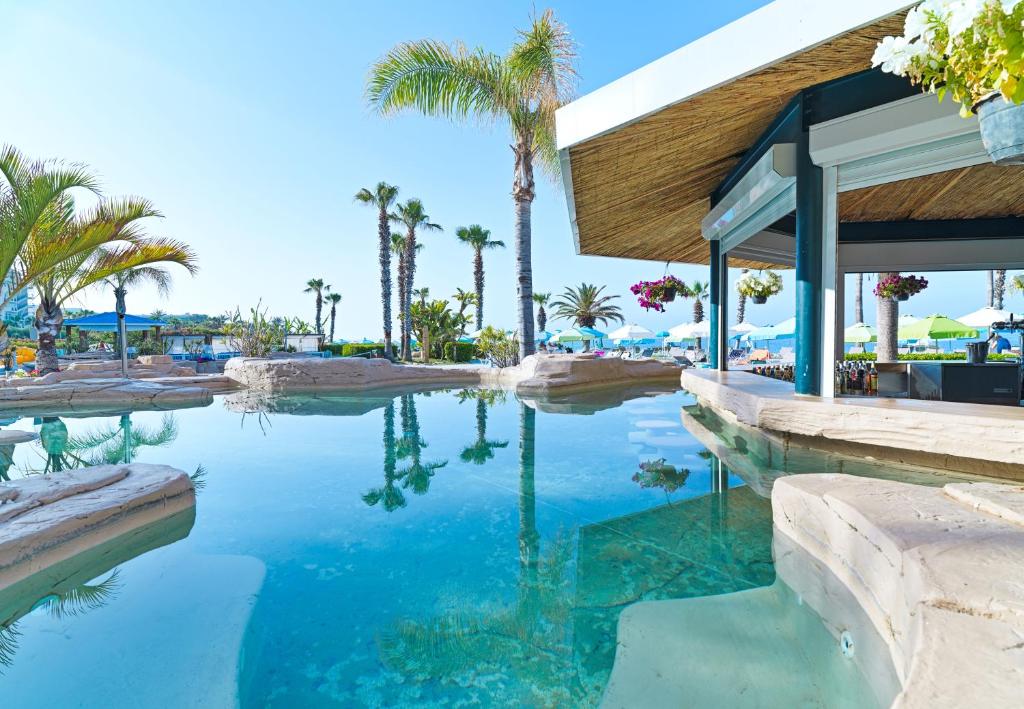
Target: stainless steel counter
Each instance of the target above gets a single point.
(988, 383)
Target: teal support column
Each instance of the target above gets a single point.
(716, 354)
(809, 254)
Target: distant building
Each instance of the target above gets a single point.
(16, 312)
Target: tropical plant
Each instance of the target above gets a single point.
(893, 285)
(998, 288)
(317, 287)
(113, 445)
(698, 290)
(968, 49)
(651, 295)
(659, 474)
(464, 299)
(541, 299)
(478, 239)
(418, 474)
(413, 216)
(334, 299)
(383, 198)
(258, 335)
(523, 88)
(759, 286)
(389, 495)
(1017, 284)
(586, 306)
(95, 245)
(499, 348)
(122, 280)
(481, 449)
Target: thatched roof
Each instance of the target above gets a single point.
(639, 189)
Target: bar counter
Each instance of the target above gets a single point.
(984, 383)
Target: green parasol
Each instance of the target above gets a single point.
(936, 327)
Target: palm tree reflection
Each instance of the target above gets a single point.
(482, 449)
(417, 475)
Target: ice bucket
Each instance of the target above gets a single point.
(977, 352)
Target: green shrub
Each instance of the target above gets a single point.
(356, 348)
(336, 349)
(459, 351)
(925, 357)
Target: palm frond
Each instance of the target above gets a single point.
(82, 598)
(438, 80)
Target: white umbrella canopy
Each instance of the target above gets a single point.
(743, 327)
(984, 317)
(689, 331)
(572, 335)
(630, 332)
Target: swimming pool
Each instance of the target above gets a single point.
(436, 548)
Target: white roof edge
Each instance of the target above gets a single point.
(764, 37)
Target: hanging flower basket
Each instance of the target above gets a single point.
(900, 287)
(652, 295)
(971, 51)
(759, 286)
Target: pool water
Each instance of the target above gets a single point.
(444, 548)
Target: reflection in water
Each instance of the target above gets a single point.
(482, 450)
(417, 475)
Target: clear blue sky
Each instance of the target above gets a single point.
(245, 123)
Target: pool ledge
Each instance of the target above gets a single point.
(973, 438)
(939, 572)
(46, 519)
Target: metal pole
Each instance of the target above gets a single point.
(123, 334)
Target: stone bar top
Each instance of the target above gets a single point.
(974, 438)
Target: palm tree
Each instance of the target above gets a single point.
(887, 318)
(999, 288)
(389, 494)
(478, 239)
(482, 449)
(334, 299)
(122, 280)
(586, 306)
(541, 299)
(413, 215)
(991, 288)
(699, 292)
(398, 249)
(383, 197)
(316, 285)
(522, 88)
(858, 303)
(741, 301)
(94, 246)
(29, 193)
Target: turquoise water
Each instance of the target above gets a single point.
(446, 548)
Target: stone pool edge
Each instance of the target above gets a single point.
(941, 579)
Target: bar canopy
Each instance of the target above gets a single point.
(107, 322)
(642, 156)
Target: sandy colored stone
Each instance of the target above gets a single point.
(546, 373)
(942, 581)
(1000, 500)
(941, 430)
(54, 517)
(339, 373)
(90, 392)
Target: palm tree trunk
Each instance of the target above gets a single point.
(333, 311)
(49, 318)
(991, 288)
(319, 312)
(741, 301)
(523, 194)
(858, 303)
(410, 276)
(888, 314)
(384, 254)
(478, 281)
(999, 288)
(402, 283)
(542, 318)
(529, 539)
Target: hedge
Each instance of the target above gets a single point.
(356, 348)
(923, 356)
(459, 351)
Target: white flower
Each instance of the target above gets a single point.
(916, 23)
(895, 54)
(962, 15)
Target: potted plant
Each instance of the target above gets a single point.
(652, 295)
(900, 287)
(759, 286)
(972, 50)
